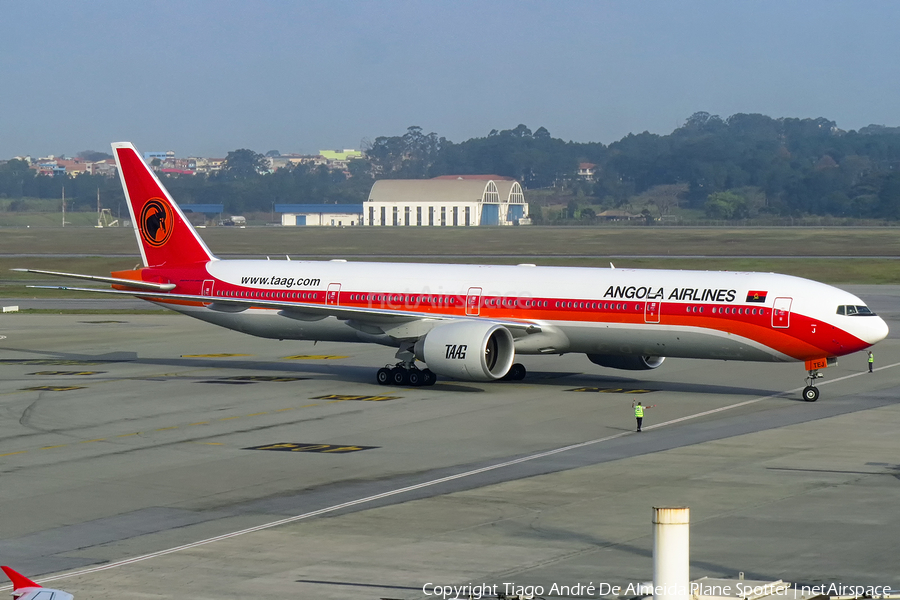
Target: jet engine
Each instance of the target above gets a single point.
(472, 350)
(627, 362)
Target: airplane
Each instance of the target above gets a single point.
(469, 322)
(26, 589)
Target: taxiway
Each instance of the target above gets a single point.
(281, 467)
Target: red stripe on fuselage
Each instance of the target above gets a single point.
(806, 337)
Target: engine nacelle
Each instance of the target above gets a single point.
(472, 350)
(627, 362)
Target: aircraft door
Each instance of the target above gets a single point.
(333, 295)
(781, 313)
(207, 289)
(651, 312)
(473, 302)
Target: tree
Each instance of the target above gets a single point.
(726, 205)
(410, 156)
(93, 156)
(520, 131)
(731, 168)
(889, 197)
(244, 164)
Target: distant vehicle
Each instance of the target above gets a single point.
(470, 321)
(26, 589)
(235, 221)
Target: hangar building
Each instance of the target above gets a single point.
(448, 201)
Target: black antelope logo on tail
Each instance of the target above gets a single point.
(156, 222)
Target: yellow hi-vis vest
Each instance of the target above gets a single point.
(871, 358)
(638, 411)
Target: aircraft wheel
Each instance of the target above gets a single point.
(810, 393)
(416, 378)
(399, 376)
(430, 377)
(383, 376)
(517, 372)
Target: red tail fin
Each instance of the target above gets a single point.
(19, 581)
(164, 235)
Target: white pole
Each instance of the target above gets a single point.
(671, 553)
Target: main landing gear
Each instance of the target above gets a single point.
(401, 375)
(405, 372)
(811, 392)
(516, 373)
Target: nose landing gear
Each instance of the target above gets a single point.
(811, 392)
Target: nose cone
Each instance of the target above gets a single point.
(873, 330)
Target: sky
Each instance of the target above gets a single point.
(203, 78)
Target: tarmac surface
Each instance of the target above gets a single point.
(146, 456)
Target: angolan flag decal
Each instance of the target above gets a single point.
(755, 296)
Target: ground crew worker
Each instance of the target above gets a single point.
(638, 412)
(871, 360)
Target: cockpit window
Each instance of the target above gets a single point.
(855, 311)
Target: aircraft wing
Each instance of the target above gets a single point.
(380, 317)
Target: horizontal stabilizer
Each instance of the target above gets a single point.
(142, 285)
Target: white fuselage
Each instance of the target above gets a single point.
(696, 314)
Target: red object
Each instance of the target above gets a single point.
(165, 237)
(19, 581)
